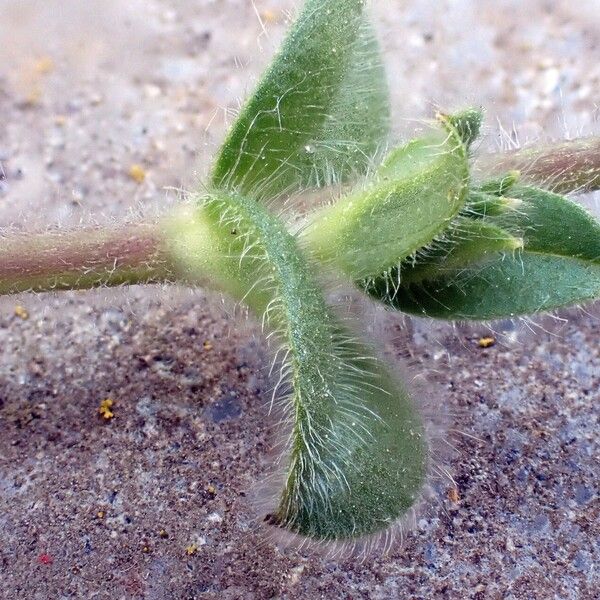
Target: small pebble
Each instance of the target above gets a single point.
(215, 518)
(45, 559)
(486, 342)
(453, 495)
(137, 173)
(21, 312)
(105, 409)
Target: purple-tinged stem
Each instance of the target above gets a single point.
(572, 166)
(85, 258)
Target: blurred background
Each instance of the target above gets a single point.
(88, 89)
(107, 108)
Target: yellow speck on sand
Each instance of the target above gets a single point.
(137, 173)
(43, 65)
(21, 312)
(163, 534)
(208, 345)
(268, 16)
(31, 79)
(191, 550)
(100, 514)
(105, 409)
(486, 342)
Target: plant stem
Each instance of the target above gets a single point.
(152, 252)
(85, 258)
(572, 166)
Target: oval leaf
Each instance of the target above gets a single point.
(320, 111)
(358, 453)
(559, 265)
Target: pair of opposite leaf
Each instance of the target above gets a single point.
(414, 234)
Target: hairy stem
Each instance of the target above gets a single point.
(85, 258)
(144, 252)
(572, 166)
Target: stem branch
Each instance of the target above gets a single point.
(572, 166)
(153, 252)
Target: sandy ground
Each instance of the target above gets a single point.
(106, 510)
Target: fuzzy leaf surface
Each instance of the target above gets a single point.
(358, 456)
(411, 199)
(320, 111)
(559, 265)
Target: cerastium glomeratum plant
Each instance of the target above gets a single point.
(411, 228)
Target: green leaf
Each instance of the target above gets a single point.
(467, 241)
(553, 224)
(501, 185)
(357, 122)
(358, 455)
(559, 265)
(319, 113)
(410, 200)
(481, 204)
(467, 124)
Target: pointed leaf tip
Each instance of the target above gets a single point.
(558, 265)
(467, 124)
